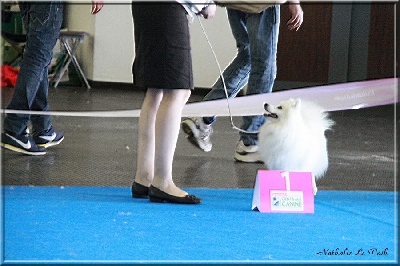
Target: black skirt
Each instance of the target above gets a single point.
(162, 46)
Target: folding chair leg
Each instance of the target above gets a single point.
(71, 41)
(60, 73)
(76, 64)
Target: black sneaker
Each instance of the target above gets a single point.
(48, 139)
(22, 144)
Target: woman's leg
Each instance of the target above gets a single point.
(167, 128)
(146, 137)
(159, 126)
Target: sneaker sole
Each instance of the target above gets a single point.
(243, 159)
(19, 150)
(50, 144)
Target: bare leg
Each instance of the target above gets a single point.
(146, 138)
(167, 131)
(159, 126)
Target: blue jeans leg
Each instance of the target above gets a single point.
(42, 22)
(263, 31)
(236, 75)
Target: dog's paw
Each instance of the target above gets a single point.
(314, 185)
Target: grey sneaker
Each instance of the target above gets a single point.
(198, 132)
(247, 154)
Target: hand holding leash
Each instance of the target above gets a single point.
(209, 11)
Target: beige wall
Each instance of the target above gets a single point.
(107, 54)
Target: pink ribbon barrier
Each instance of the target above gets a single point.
(344, 96)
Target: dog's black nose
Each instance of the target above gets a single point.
(265, 106)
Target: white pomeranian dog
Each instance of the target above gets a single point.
(293, 138)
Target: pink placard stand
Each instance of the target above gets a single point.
(283, 192)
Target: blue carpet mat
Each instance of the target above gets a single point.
(105, 225)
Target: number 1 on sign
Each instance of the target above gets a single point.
(287, 179)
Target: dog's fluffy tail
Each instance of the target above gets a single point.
(316, 116)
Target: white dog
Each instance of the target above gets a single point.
(293, 138)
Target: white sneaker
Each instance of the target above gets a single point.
(247, 154)
(198, 132)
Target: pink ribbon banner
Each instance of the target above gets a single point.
(344, 96)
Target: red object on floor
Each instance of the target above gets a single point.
(8, 76)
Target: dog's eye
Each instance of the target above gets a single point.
(279, 107)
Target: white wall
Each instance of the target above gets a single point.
(107, 54)
(220, 36)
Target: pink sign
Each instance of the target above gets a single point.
(283, 191)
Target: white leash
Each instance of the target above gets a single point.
(223, 82)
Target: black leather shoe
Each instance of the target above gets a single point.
(139, 191)
(157, 195)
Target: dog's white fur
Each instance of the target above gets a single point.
(293, 138)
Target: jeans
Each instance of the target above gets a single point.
(42, 22)
(256, 38)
